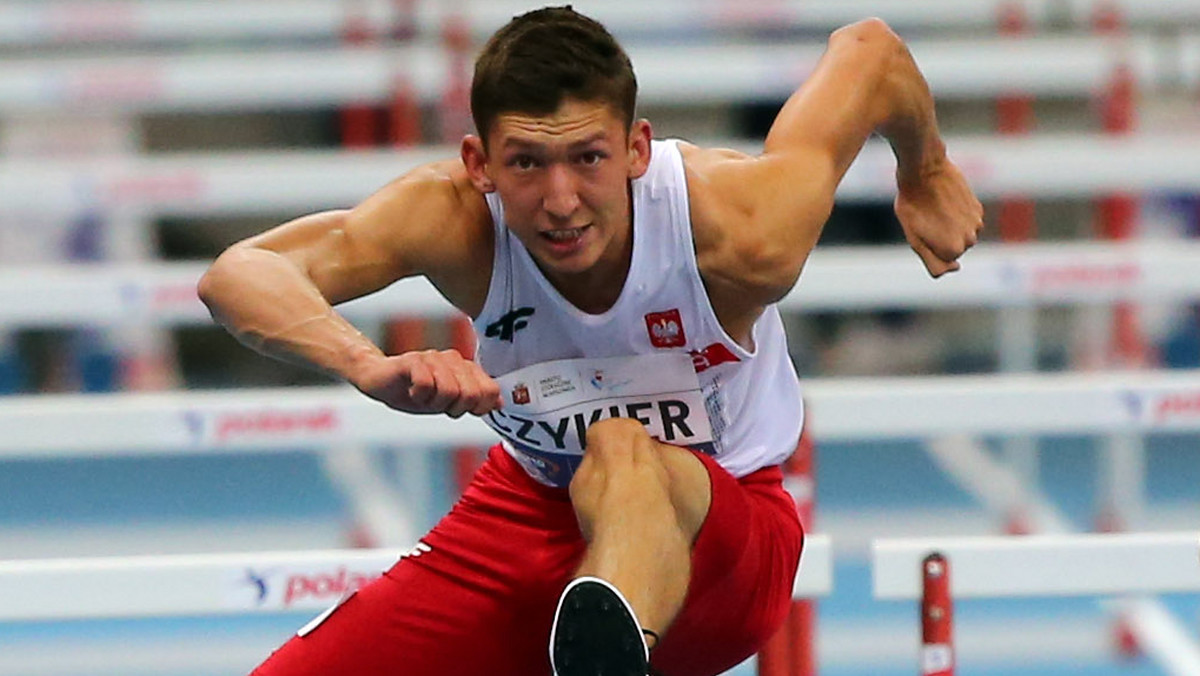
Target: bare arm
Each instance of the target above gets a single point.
(275, 292)
(761, 216)
(263, 291)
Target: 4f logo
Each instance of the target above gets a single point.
(505, 327)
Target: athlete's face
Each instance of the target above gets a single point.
(564, 181)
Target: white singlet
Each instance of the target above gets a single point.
(658, 354)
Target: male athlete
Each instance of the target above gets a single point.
(623, 293)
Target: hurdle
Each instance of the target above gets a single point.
(845, 278)
(289, 78)
(242, 183)
(223, 584)
(319, 417)
(938, 571)
(55, 22)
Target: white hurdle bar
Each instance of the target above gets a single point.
(274, 183)
(214, 584)
(271, 420)
(667, 74)
(834, 279)
(1036, 565)
(55, 22)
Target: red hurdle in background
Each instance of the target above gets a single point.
(937, 617)
(792, 651)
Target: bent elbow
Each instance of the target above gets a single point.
(209, 286)
(871, 30)
(871, 40)
(215, 284)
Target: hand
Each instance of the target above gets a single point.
(429, 381)
(940, 215)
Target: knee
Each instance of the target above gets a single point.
(617, 447)
(616, 440)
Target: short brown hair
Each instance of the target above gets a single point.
(545, 56)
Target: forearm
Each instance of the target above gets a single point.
(866, 82)
(904, 112)
(267, 303)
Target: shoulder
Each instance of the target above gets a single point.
(743, 239)
(438, 189)
(755, 218)
(436, 223)
(714, 208)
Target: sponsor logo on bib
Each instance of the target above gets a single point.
(520, 394)
(554, 403)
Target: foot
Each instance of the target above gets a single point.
(596, 633)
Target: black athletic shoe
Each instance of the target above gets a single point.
(596, 633)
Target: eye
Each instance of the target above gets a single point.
(591, 158)
(523, 162)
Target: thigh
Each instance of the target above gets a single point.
(411, 623)
(743, 566)
(479, 599)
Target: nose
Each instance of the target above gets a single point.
(561, 198)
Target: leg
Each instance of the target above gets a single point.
(745, 541)
(743, 565)
(639, 504)
(479, 600)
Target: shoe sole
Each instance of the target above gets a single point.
(596, 633)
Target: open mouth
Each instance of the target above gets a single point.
(566, 236)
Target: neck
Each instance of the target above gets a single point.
(597, 289)
(593, 291)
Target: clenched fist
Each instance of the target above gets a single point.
(429, 381)
(940, 215)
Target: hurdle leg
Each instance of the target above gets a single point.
(790, 652)
(937, 617)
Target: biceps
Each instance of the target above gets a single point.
(793, 201)
(335, 250)
(775, 211)
(838, 107)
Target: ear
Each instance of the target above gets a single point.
(639, 148)
(474, 158)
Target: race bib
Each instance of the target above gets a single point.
(549, 406)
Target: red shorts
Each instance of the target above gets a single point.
(482, 598)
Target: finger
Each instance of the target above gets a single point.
(424, 387)
(934, 264)
(480, 392)
(948, 268)
(945, 252)
(938, 266)
(467, 379)
(489, 396)
(468, 393)
(447, 389)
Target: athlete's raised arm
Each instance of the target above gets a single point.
(275, 291)
(760, 217)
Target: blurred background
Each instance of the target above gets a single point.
(139, 138)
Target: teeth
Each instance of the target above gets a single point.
(564, 235)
